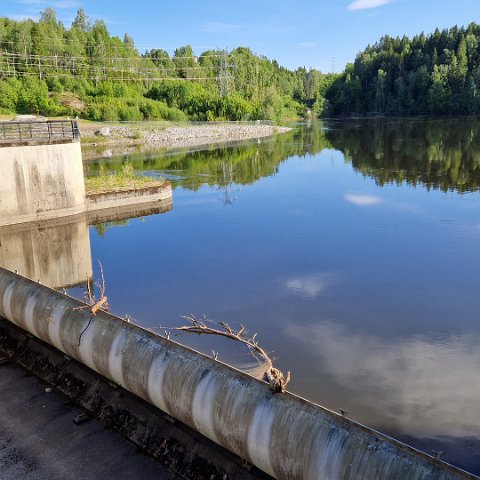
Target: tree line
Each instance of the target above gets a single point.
(436, 74)
(47, 68)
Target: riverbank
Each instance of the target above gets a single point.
(163, 135)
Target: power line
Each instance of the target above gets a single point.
(6, 73)
(14, 64)
(71, 62)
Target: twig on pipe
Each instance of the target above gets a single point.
(273, 376)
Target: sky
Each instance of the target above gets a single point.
(322, 34)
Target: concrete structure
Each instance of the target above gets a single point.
(157, 192)
(41, 182)
(42, 175)
(283, 435)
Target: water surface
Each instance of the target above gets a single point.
(351, 247)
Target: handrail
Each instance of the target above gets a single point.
(43, 132)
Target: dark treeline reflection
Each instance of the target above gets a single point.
(437, 153)
(242, 164)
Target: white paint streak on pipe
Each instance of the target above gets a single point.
(259, 437)
(29, 317)
(115, 360)
(54, 324)
(86, 338)
(203, 406)
(284, 435)
(328, 460)
(155, 381)
(7, 302)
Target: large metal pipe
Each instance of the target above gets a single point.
(286, 436)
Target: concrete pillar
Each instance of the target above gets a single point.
(41, 182)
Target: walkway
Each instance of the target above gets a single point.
(39, 441)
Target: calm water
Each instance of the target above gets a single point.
(352, 248)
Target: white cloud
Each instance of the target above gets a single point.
(426, 388)
(365, 4)
(362, 200)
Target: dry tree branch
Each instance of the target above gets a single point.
(273, 376)
(95, 305)
(199, 327)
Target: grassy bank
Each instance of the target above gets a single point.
(126, 179)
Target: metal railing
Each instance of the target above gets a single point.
(44, 132)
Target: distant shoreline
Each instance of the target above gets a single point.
(174, 136)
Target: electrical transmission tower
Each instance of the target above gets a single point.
(223, 77)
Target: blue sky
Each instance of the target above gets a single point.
(296, 33)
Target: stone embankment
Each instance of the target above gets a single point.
(183, 136)
(207, 134)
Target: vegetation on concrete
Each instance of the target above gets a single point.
(124, 179)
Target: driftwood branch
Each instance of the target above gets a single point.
(273, 376)
(95, 305)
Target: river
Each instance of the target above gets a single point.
(352, 248)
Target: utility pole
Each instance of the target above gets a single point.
(333, 64)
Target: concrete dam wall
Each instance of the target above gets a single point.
(44, 182)
(41, 182)
(283, 435)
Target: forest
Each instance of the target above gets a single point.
(48, 69)
(436, 74)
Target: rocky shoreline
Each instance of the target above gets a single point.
(177, 137)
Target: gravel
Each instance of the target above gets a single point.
(191, 135)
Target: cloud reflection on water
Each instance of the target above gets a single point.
(308, 286)
(362, 199)
(422, 387)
